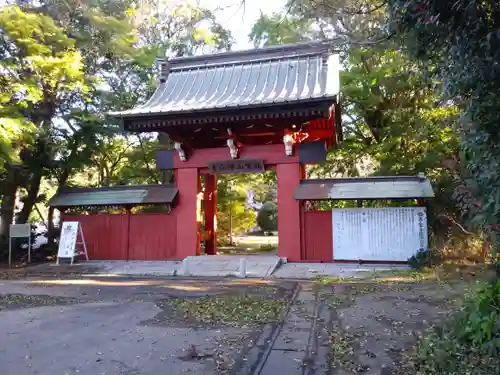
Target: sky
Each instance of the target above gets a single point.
(239, 19)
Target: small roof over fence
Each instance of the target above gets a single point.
(122, 195)
(396, 187)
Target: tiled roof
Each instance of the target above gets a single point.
(114, 196)
(278, 75)
(399, 187)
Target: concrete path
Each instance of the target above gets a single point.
(257, 266)
(313, 270)
(139, 268)
(111, 267)
(298, 346)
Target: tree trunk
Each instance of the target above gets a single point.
(7, 208)
(30, 199)
(50, 219)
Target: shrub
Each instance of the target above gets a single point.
(267, 247)
(267, 218)
(420, 260)
(470, 343)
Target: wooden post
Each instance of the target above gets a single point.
(289, 232)
(128, 210)
(10, 251)
(187, 225)
(210, 199)
(29, 247)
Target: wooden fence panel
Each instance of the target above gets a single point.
(105, 235)
(318, 236)
(153, 236)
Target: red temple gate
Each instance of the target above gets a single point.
(241, 112)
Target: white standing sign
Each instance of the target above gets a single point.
(67, 241)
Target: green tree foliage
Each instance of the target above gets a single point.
(179, 28)
(232, 215)
(393, 118)
(67, 63)
(232, 196)
(42, 68)
(354, 21)
(276, 28)
(461, 38)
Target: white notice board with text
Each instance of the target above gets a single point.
(379, 234)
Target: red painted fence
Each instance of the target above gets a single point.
(147, 236)
(318, 236)
(153, 236)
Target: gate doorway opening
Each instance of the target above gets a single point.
(245, 214)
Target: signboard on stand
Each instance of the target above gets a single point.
(68, 241)
(19, 231)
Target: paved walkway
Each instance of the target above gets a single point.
(259, 266)
(112, 267)
(298, 346)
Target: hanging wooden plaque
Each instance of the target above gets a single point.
(236, 166)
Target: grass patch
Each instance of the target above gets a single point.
(343, 354)
(404, 273)
(403, 276)
(21, 301)
(235, 311)
(381, 277)
(442, 274)
(337, 301)
(331, 280)
(265, 248)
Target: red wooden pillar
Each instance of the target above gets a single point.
(186, 181)
(289, 226)
(210, 212)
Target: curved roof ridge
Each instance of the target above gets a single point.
(280, 51)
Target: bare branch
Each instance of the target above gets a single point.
(449, 218)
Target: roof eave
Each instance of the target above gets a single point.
(329, 99)
(322, 189)
(55, 201)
